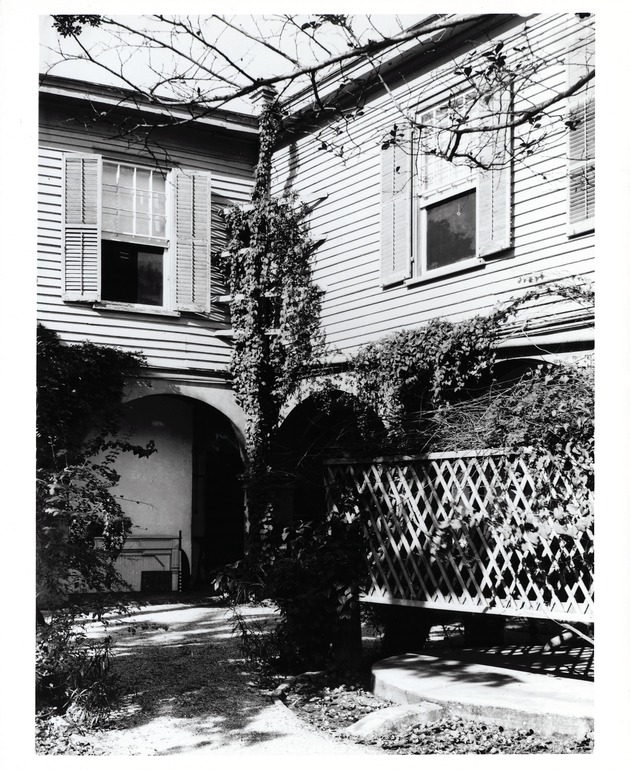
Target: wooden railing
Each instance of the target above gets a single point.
(408, 505)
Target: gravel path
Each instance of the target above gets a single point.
(188, 692)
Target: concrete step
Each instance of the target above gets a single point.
(496, 695)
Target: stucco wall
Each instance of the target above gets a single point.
(156, 491)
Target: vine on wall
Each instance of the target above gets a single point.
(275, 311)
(434, 387)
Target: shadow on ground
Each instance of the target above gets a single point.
(185, 683)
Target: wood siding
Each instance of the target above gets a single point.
(357, 308)
(186, 342)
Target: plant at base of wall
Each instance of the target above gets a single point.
(79, 397)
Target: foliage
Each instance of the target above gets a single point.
(547, 417)
(79, 395)
(275, 311)
(73, 671)
(314, 580)
(437, 392)
(79, 388)
(421, 369)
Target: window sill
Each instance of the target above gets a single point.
(581, 228)
(444, 272)
(122, 307)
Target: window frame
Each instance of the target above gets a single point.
(424, 199)
(168, 261)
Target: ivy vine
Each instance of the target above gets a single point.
(275, 312)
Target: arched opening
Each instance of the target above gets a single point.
(217, 522)
(317, 429)
(185, 501)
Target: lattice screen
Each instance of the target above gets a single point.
(407, 503)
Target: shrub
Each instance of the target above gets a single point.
(72, 670)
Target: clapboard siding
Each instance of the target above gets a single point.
(356, 308)
(185, 342)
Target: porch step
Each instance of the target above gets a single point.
(504, 696)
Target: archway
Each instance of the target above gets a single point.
(317, 429)
(188, 492)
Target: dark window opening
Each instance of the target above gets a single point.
(451, 231)
(132, 273)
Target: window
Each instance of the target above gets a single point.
(440, 216)
(133, 222)
(447, 195)
(134, 237)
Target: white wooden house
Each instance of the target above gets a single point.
(383, 205)
(126, 233)
(126, 230)
(379, 264)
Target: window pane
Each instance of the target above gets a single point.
(132, 274)
(159, 183)
(142, 225)
(159, 204)
(142, 202)
(143, 179)
(125, 177)
(149, 278)
(451, 231)
(110, 171)
(159, 227)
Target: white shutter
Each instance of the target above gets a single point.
(494, 186)
(581, 167)
(396, 212)
(192, 225)
(581, 134)
(81, 228)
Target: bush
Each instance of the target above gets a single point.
(79, 401)
(314, 579)
(72, 671)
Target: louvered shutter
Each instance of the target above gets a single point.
(81, 228)
(581, 135)
(581, 171)
(192, 240)
(395, 212)
(494, 186)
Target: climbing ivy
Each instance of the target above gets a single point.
(275, 311)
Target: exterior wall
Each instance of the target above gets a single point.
(156, 492)
(356, 308)
(187, 342)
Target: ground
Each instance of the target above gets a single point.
(185, 687)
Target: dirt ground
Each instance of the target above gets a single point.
(186, 689)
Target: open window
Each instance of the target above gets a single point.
(136, 238)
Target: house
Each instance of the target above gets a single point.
(125, 234)
(127, 227)
(409, 237)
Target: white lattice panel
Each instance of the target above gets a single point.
(407, 504)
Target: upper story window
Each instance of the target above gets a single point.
(134, 237)
(134, 202)
(447, 194)
(439, 216)
(133, 224)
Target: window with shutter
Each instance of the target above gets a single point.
(136, 238)
(463, 212)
